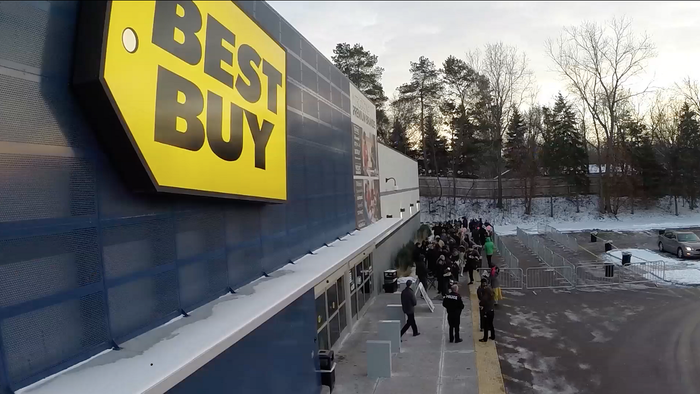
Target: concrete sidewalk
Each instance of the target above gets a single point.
(427, 363)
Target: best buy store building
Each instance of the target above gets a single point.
(178, 201)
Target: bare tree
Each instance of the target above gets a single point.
(509, 81)
(599, 62)
(663, 120)
(690, 91)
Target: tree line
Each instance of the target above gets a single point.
(477, 116)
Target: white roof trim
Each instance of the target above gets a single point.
(159, 359)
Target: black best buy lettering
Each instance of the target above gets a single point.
(174, 26)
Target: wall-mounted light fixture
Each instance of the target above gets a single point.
(396, 187)
(418, 205)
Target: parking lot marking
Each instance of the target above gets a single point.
(592, 254)
(687, 290)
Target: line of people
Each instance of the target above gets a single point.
(456, 249)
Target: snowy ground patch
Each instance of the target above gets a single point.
(676, 271)
(659, 216)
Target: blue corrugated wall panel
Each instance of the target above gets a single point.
(275, 358)
(84, 261)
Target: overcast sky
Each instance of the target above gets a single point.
(399, 32)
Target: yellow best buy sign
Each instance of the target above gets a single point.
(196, 91)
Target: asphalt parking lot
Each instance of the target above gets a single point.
(639, 338)
(624, 239)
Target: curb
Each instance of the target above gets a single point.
(488, 367)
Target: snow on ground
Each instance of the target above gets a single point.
(661, 215)
(677, 271)
(642, 256)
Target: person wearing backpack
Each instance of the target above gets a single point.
(488, 248)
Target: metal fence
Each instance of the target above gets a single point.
(510, 187)
(547, 255)
(508, 278)
(599, 274)
(557, 236)
(508, 258)
(648, 271)
(549, 277)
(562, 273)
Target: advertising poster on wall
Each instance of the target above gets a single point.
(365, 159)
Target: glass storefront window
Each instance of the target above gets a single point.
(360, 299)
(342, 318)
(353, 301)
(334, 329)
(321, 310)
(354, 280)
(332, 299)
(341, 289)
(323, 339)
(358, 275)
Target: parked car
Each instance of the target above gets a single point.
(683, 244)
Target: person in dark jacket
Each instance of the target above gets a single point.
(422, 271)
(454, 264)
(408, 304)
(473, 263)
(432, 257)
(453, 304)
(482, 235)
(416, 252)
(442, 274)
(475, 235)
(486, 303)
(437, 230)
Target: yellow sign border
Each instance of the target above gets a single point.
(106, 118)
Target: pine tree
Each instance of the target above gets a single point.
(689, 154)
(467, 147)
(423, 91)
(551, 152)
(570, 147)
(360, 66)
(647, 176)
(398, 138)
(437, 156)
(515, 148)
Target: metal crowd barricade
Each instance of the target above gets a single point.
(557, 236)
(562, 273)
(546, 255)
(548, 278)
(648, 271)
(508, 278)
(594, 274)
(510, 260)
